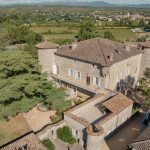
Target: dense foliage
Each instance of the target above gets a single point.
(65, 135)
(22, 34)
(145, 86)
(108, 35)
(87, 31)
(48, 144)
(22, 85)
(31, 49)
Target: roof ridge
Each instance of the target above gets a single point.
(102, 51)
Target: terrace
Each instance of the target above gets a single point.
(97, 112)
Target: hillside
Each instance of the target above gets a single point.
(78, 3)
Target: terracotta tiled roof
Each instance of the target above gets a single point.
(30, 140)
(145, 135)
(146, 44)
(98, 51)
(47, 45)
(143, 140)
(143, 145)
(118, 103)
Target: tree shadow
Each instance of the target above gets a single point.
(125, 86)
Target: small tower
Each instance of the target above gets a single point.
(46, 56)
(95, 138)
(145, 63)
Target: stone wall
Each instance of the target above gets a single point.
(50, 131)
(86, 69)
(126, 70)
(115, 121)
(46, 59)
(95, 140)
(145, 61)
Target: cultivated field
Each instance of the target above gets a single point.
(64, 33)
(120, 34)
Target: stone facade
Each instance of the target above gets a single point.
(125, 71)
(145, 60)
(114, 121)
(46, 59)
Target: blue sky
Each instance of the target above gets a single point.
(110, 1)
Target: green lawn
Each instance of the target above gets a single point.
(120, 34)
(59, 36)
(66, 31)
(56, 30)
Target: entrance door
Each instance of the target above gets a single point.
(87, 80)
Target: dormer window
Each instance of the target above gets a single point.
(93, 65)
(117, 51)
(108, 57)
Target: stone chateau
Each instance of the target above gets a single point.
(102, 69)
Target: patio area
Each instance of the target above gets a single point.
(126, 134)
(38, 119)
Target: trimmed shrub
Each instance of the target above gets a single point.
(65, 135)
(48, 144)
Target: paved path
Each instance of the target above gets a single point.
(126, 134)
(59, 145)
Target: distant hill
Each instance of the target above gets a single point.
(77, 3)
(82, 4)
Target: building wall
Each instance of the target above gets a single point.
(126, 70)
(145, 61)
(121, 71)
(109, 126)
(117, 120)
(86, 69)
(124, 115)
(78, 130)
(95, 142)
(46, 59)
(73, 123)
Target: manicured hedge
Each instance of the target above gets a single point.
(48, 144)
(65, 135)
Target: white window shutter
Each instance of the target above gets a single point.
(69, 72)
(94, 80)
(99, 82)
(54, 69)
(76, 74)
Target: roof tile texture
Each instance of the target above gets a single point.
(98, 51)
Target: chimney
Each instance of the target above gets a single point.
(127, 47)
(73, 45)
(111, 56)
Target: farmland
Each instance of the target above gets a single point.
(66, 32)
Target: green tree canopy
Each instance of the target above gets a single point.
(22, 34)
(22, 86)
(87, 31)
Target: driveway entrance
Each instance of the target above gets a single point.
(126, 134)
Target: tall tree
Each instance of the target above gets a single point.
(22, 34)
(22, 86)
(87, 31)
